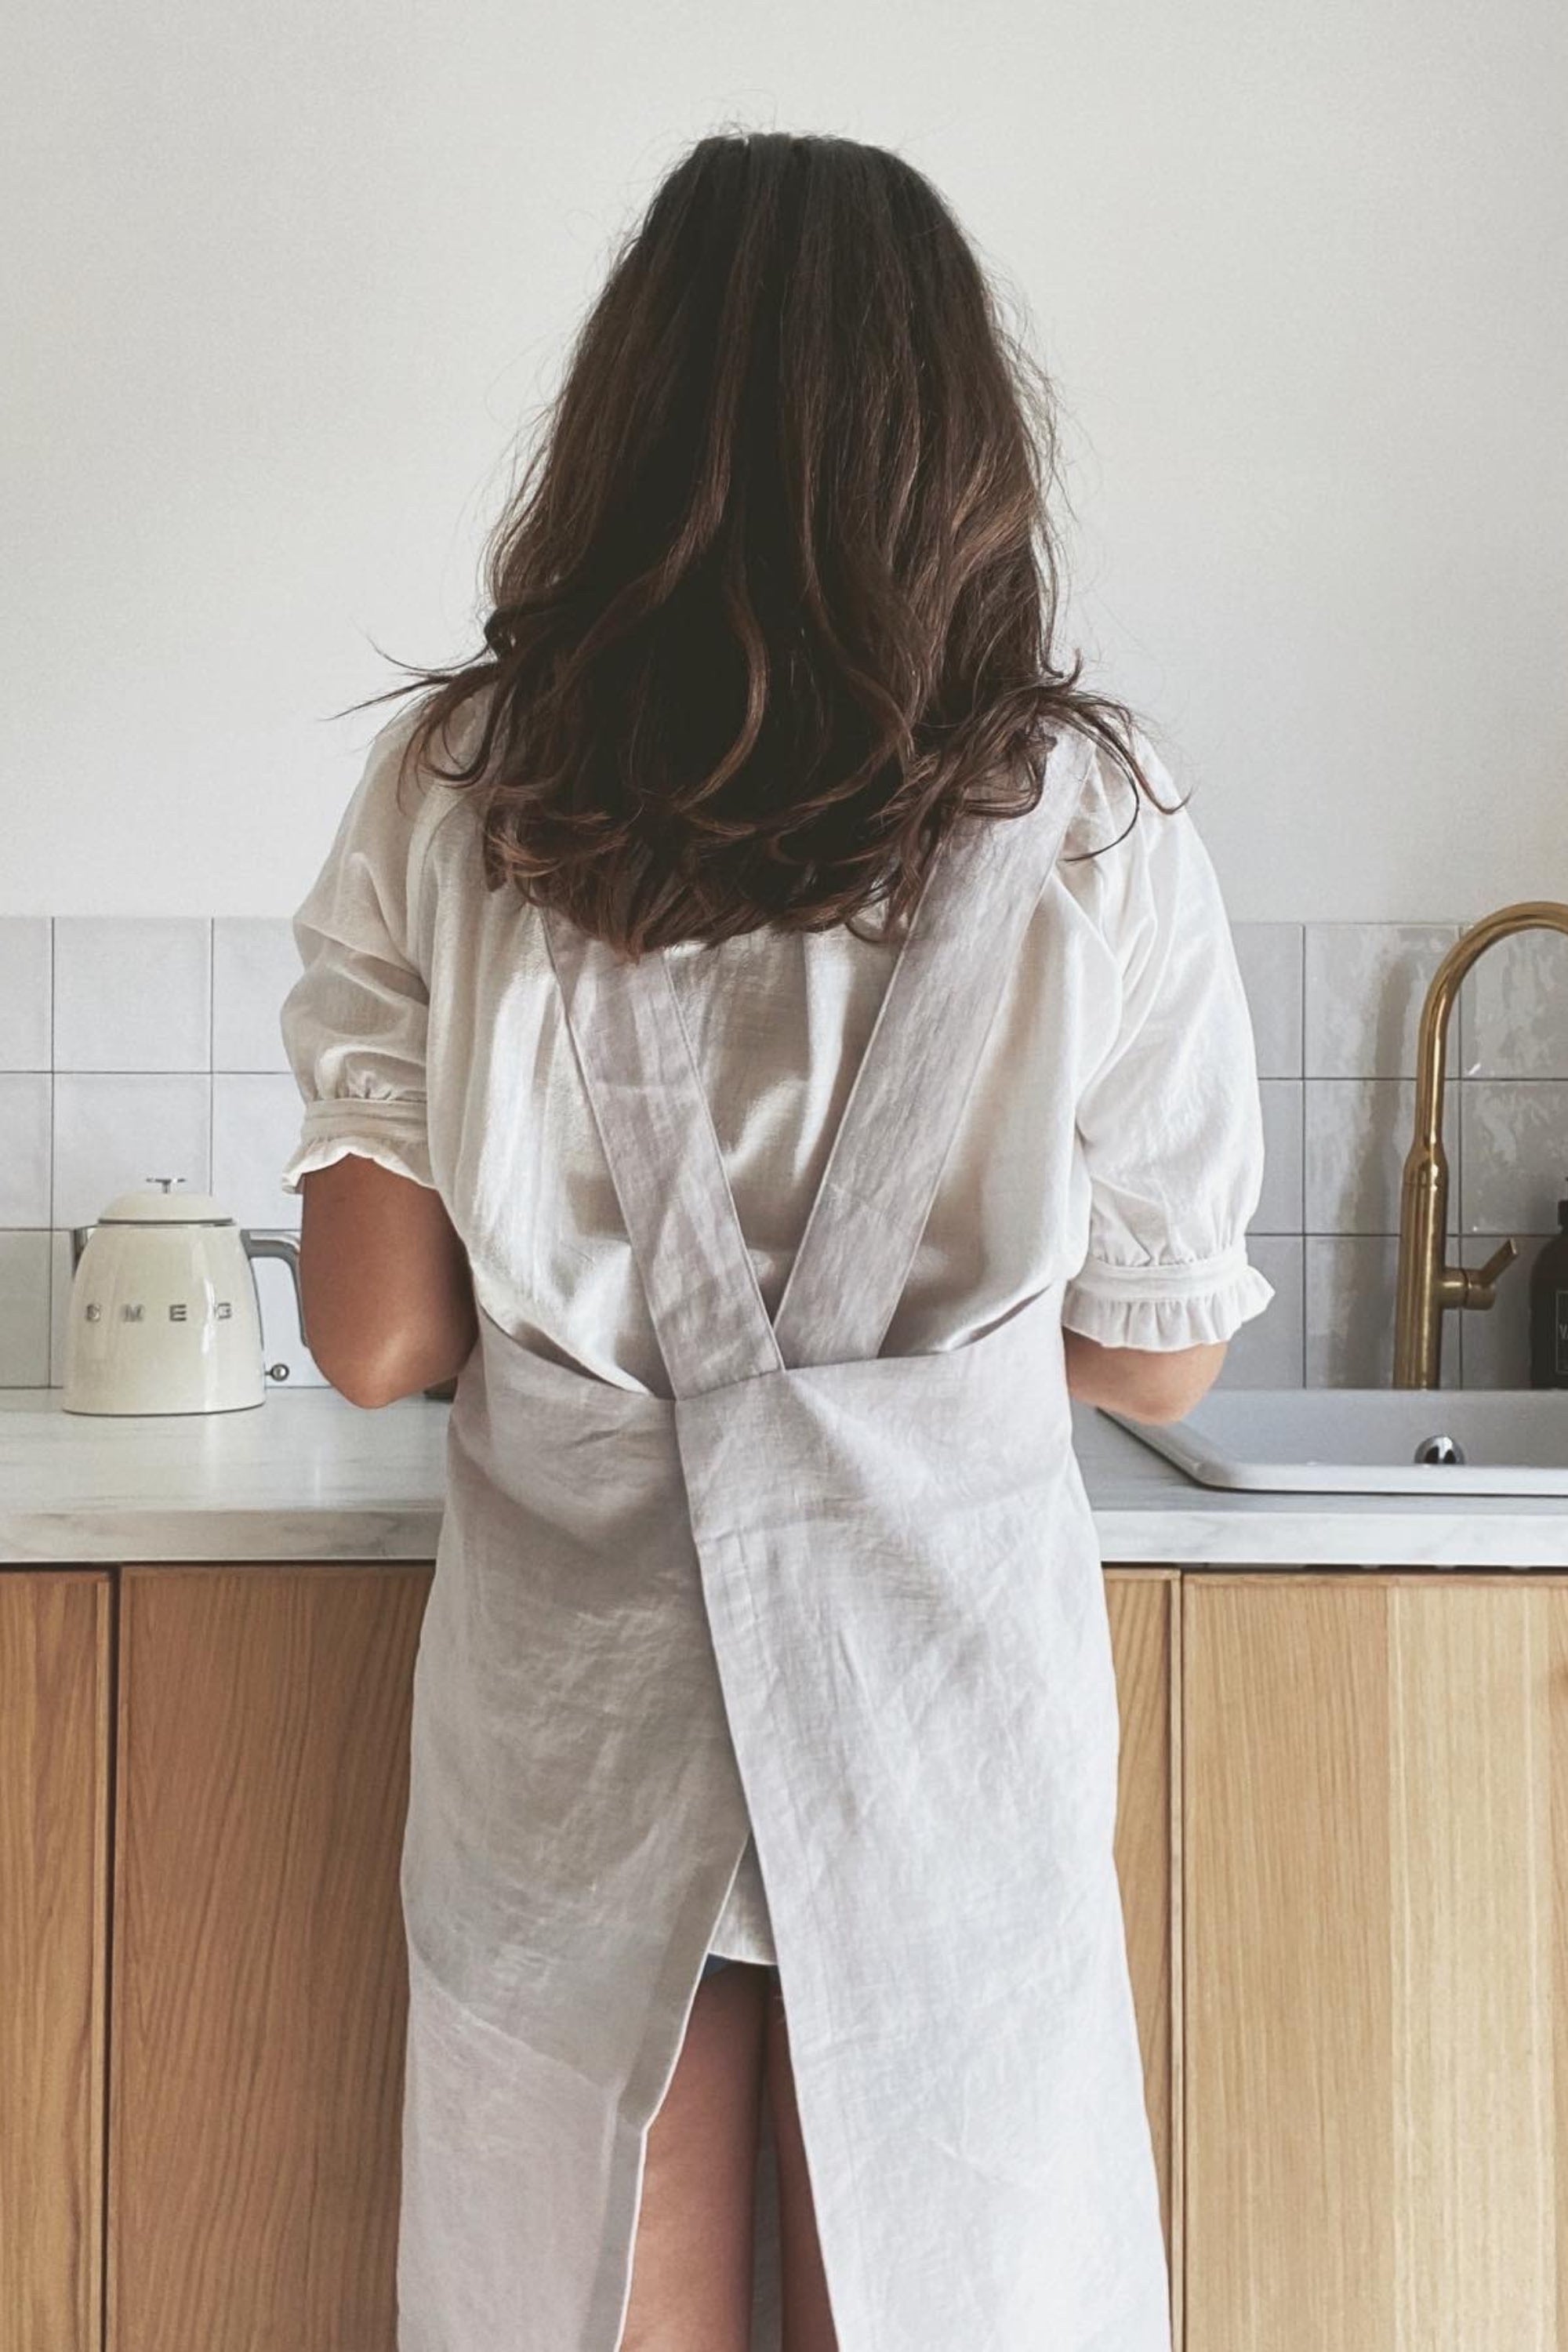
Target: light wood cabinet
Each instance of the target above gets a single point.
(1374, 1843)
(259, 1981)
(1144, 1608)
(1343, 1844)
(55, 1670)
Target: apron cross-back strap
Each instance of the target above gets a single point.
(897, 1128)
(916, 1076)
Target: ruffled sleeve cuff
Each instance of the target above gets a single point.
(391, 1133)
(1180, 1304)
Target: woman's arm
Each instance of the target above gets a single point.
(1150, 1384)
(1169, 1124)
(389, 1301)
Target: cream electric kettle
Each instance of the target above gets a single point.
(163, 1314)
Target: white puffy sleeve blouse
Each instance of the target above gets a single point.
(1113, 1141)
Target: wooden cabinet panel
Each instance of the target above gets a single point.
(259, 1993)
(55, 1669)
(1144, 1624)
(1375, 1829)
(1343, 1845)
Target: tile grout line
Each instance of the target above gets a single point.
(212, 1032)
(49, 1134)
(1301, 1023)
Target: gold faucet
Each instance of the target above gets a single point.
(1427, 1283)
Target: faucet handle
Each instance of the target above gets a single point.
(1481, 1281)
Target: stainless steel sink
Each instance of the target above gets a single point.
(1371, 1441)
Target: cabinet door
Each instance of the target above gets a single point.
(259, 1993)
(1144, 1624)
(54, 1848)
(1376, 1810)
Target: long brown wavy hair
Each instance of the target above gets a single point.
(774, 605)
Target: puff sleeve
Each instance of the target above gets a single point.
(1170, 1121)
(355, 1023)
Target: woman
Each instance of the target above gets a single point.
(765, 1032)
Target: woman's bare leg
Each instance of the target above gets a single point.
(691, 2264)
(807, 2317)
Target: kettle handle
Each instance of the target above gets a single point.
(276, 1245)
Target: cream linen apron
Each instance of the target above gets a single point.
(849, 1604)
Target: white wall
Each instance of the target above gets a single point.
(289, 279)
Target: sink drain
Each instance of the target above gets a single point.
(1438, 1449)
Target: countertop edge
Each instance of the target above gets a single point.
(314, 1480)
(135, 1538)
(1155, 1537)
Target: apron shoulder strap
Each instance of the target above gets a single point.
(899, 1126)
(648, 1105)
(919, 1069)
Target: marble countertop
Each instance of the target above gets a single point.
(306, 1476)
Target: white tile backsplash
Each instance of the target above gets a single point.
(162, 1038)
(23, 1309)
(25, 1147)
(25, 992)
(1279, 1202)
(256, 1125)
(132, 993)
(1268, 1353)
(1357, 1132)
(62, 1265)
(1495, 1340)
(254, 964)
(1515, 1145)
(1350, 1313)
(1364, 985)
(1512, 1010)
(1269, 957)
(114, 1130)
